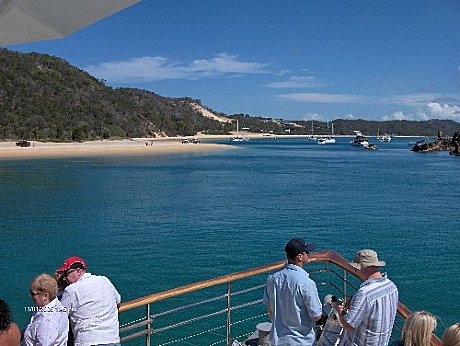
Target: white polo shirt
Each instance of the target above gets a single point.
(92, 307)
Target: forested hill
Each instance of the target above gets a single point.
(45, 98)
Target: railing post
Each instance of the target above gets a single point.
(344, 287)
(228, 313)
(147, 315)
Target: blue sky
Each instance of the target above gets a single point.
(295, 59)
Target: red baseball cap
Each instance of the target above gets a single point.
(72, 262)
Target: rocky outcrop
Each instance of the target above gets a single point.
(425, 146)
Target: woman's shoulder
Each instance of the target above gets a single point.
(11, 336)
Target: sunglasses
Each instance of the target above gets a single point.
(67, 273)
(33, 294)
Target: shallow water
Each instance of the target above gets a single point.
(151, 224)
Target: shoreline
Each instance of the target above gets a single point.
(103, 148)
(123, 147)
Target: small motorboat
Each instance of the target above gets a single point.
(371, 146)
(360, 140)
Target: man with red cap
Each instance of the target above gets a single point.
(92, 304)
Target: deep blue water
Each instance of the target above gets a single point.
(151, 224)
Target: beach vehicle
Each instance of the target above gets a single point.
(185, 140)
(23, 143)
(227, 310)
(360, 140)
(195, 141)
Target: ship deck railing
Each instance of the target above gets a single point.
(222, 310)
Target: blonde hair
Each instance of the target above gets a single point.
(45, 283)
(451, 336)
(418, 329)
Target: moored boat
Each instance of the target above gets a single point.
(359, 140)
(238, 137)
(371, 146)
(312, 137)
(328, 140)
(385, 138)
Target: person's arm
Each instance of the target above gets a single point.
(270, 313)
(316, 318)
(312, 301)
(339, 308)
(66, 301)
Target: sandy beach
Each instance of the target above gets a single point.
(131, 147)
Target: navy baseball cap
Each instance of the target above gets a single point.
(297, 246)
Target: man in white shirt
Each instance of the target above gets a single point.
(92, 302)
(369, 322)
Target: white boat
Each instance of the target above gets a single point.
(385, 138)
(238, 137)
(328, 140)
(360, 139)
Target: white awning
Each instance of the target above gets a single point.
(37, 20)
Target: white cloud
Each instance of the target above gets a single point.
(431, 110)
(399, 115)
(436, 110)
(411, 99)
(313, 116)
(323, 98)
(421, 99)
(297, 82)
(148, 69)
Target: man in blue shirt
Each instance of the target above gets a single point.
(292, 299)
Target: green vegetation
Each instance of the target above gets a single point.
(45, 98)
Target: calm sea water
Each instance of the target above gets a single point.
(154, 223)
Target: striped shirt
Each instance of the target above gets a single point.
(372, 313)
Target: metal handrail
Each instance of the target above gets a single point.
(328, 257)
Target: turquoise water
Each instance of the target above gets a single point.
(153, 223)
